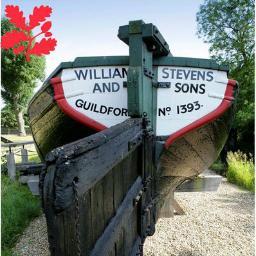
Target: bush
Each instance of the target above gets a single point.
(218, 167)
(4, 169)
(19, 207)
(241, 170)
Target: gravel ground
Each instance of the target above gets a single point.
(216, 224)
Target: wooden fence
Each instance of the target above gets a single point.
(10, 150)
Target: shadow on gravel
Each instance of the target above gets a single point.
(242, 203)
(189, 253)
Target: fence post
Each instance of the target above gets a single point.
(11, 165)
(24, 155)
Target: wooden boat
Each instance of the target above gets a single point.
(75, 101)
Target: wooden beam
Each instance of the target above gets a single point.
(107, 241)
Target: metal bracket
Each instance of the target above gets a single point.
(148, 73)
(162, 85)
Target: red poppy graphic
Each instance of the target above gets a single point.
(21, 39)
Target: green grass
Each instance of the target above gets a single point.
(34, 158)
(19, 207)
(241, 170)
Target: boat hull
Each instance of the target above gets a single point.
(50, 127)
(190, 155)
(194, 149)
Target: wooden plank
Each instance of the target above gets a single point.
(130, 232)
(29, 168)
(60, 234)
(85, 213)
(127, 173)
(108, 198)
(97, 209)
(118, 186)
(69, 229)
(110, 235)
(119, 245)
(131, 168)
(48, 199)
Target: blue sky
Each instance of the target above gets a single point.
(89, 28)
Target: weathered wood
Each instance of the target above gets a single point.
(69, 232)
(131, 232)
(86, 227)
(108, 192)
(106, 242)
(97, 208)
(47, 203)
(112, 151)
(119, 244)
(118, 186)
(15, 144)
(30, 168)
(107, 182)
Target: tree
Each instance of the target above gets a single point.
(228, 26)
(19, 78)
(8, 118)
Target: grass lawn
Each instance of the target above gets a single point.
(19, 207)
(17, 138)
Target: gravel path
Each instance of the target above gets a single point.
(216, 224)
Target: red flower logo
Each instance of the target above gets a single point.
(21, 40)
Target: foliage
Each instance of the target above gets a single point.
(241, 170)
(228, 26)
(19, 77)
(19, 207)
(218, 167)
(3, 164)
(8, 118)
